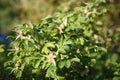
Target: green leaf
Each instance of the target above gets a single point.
(82, 41)
(37, 63)
(82, 19)
(19, 74)
(60, 78)
(31, 26)
(45, 50)
(99, 23)
(67, 63)
(68, 42)
(53, 33)
(23, 66)
(47, 18)
(44, 64)
(26, 43)
(51, 72)
(102, 49)
(93, 61)
(31, 40)
(50, 44)
(61, 64)
(1, 48)
(28, 59)
(66, 47)
(62, 50)
(75, 59)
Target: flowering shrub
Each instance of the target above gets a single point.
(65, 47)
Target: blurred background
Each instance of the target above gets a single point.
(14, 12)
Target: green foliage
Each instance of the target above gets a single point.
(68, 46)
(1, 48)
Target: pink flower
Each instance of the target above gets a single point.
(51, 58)
(59, 29)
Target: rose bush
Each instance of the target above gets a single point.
(67, 46)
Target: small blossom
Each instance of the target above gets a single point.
(59, 29)
(16, 48)
(26, 37)
(20, 34)
(65, 22)
(51, 58)
(96, 37)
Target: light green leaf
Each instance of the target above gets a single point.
(60, 78)
(50, 44)
(19, 74)
(51, 72)
(62, 50)
(61, 64)
(68, 42)
(67, 63)
(82, 41)
(37, 64)
(45, 50)
(75, 59)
